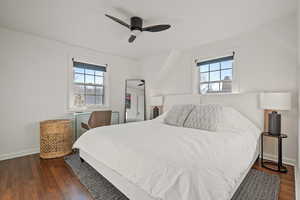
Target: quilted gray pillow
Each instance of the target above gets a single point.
(177, 115)
(206, 117)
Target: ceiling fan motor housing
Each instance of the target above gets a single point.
(136, 23)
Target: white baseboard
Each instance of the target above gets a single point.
(288, 161)
(19, 154)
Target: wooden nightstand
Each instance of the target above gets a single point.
(277, 166)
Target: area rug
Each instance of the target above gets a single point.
(256, 186)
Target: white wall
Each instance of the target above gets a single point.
(266, 60)
(298, 37)
(34, 86)
(297, 175)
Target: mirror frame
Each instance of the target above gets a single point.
(126, 93)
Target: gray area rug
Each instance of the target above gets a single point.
(256, 186)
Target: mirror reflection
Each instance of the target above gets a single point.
(135, 100)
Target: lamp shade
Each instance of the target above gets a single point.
(157, 101)
(275, 101)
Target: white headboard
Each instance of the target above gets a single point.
(245, 103)
(171, 100)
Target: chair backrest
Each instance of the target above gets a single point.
(99, 118)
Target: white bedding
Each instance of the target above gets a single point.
(173, 163)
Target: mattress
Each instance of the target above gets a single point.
(167, 162)
(132, 191)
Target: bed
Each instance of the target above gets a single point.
(152, 160)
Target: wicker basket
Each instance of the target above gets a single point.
(56, 138)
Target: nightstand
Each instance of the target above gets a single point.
(277, 166)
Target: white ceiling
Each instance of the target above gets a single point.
(194, 22)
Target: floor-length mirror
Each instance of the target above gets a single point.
(135, 105)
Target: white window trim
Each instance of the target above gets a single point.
(196, 74)
(71, 106)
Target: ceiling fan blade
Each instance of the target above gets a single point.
(142, 83)
(157, 28)
(132, 38)
(118, 20)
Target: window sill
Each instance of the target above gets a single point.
(88, 108)
(219, 94)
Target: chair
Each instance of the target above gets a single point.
(97, 119)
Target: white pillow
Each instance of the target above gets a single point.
(218, 118)
(177, 115)
(205, 117)
(234, 121)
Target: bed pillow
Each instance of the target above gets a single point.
(205, 117)
(234, 121)
(177, 115)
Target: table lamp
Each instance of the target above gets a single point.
(272, 102)
(156, 101)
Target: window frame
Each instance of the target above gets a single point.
(215, 60)
(84, 84)
(71, 80)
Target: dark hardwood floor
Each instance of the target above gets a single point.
(31, 178)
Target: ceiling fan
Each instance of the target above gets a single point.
(142, 83)
(136, 26)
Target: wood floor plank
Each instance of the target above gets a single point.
(31, 178)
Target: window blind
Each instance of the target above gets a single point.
(89, 66)
(216, 60)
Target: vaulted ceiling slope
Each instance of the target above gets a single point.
(194, 22)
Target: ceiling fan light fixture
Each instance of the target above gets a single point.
(135, 32)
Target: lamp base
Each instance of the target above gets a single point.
(274, 123)
(155, 112)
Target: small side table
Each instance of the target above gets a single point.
(280, 167)
(55, 138)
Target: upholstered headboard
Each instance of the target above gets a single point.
(245, 103)
(171, 100)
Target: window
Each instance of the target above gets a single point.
(216, 75)
(88, 84)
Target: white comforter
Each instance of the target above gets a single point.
(173, 163)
